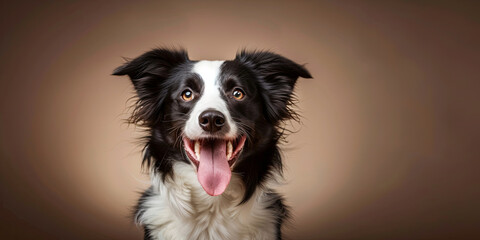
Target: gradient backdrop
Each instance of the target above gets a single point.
(388, 147)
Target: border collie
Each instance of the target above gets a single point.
(212, 145)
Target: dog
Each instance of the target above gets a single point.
(212, 145)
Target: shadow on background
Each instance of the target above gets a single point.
(388, 149)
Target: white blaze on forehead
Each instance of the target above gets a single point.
(209, 71)
(210, 98)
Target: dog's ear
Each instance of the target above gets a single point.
(148, 73)
(277, 76)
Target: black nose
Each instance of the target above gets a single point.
(211, 120)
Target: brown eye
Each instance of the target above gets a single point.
(238, 94)
(187, 95)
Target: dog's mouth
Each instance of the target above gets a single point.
(214, 160)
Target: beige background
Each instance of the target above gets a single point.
(388, 149)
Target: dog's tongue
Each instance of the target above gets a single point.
(213, 171)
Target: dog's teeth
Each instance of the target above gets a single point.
(229, 149)
(197, 149)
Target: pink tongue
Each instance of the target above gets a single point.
(214, 172)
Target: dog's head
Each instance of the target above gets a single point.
(219, 116)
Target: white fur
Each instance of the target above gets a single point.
(180, 209)
(211, 98)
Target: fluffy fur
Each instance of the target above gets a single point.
(177, 206)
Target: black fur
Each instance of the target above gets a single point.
(268, 79)
(279, 207)
(155, 76)
(139, 210)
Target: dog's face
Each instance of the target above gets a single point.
(219, 116)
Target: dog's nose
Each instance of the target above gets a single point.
(211, 120)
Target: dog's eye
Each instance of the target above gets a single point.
(238, 94)
(187, 95)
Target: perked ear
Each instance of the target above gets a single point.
(148, 73)
(277, 76)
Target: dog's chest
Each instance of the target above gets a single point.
(181, 209)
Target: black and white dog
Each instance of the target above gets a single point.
(213, 130)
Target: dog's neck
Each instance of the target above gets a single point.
(181, 203)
